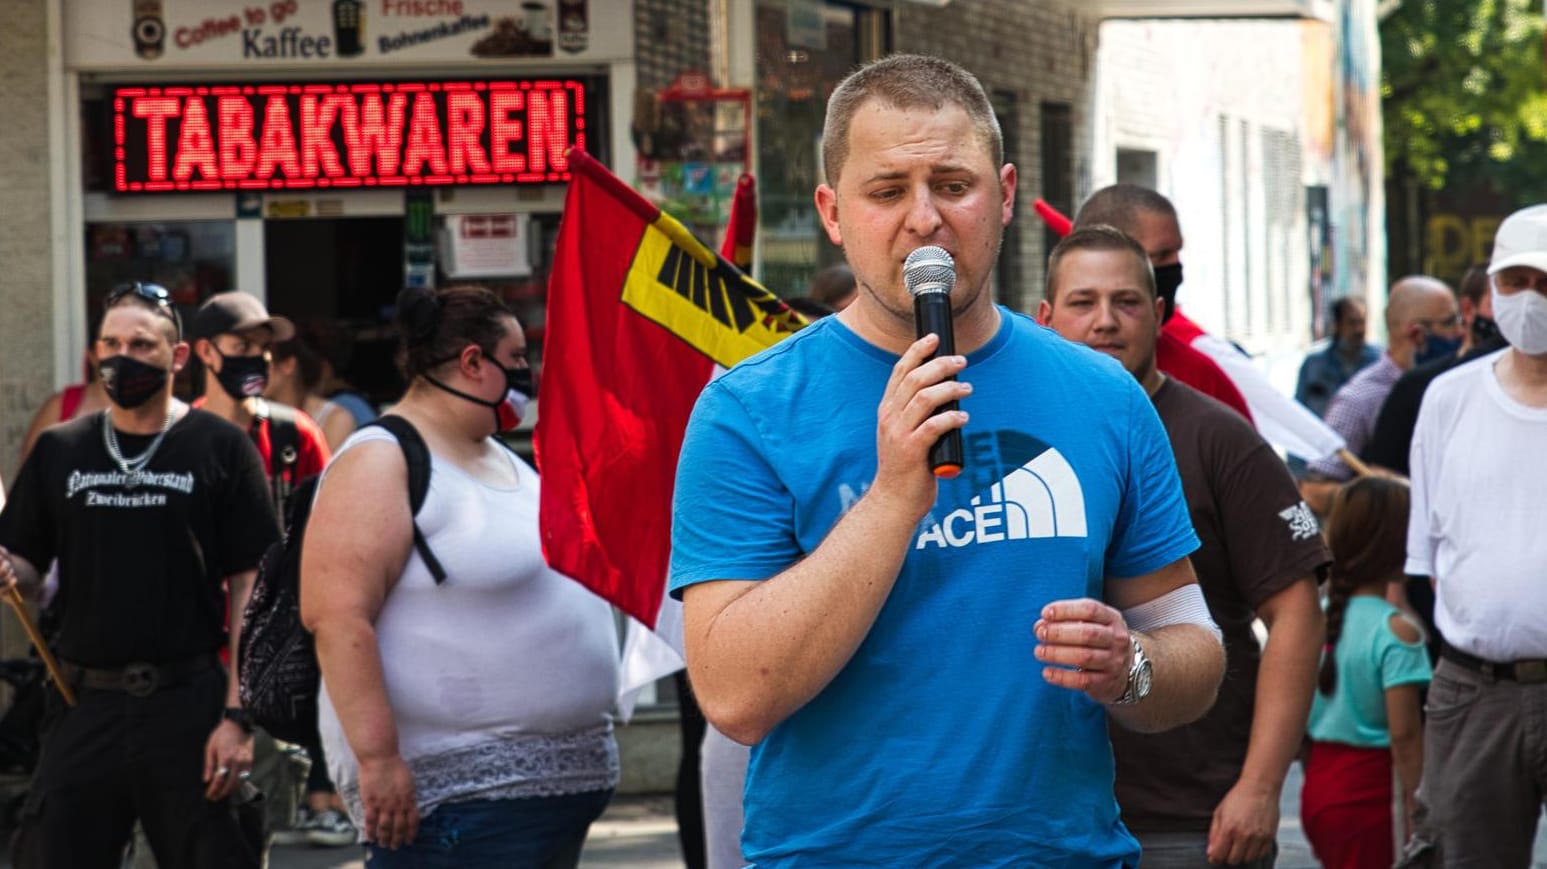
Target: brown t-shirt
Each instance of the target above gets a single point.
(1257, 538)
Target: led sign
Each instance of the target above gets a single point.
(352, 135)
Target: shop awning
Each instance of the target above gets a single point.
(1322, 10)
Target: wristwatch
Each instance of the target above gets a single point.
(1141, 675)
(243, 719)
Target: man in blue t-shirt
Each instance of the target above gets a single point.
(925, 667)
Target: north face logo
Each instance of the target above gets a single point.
(1041, 498)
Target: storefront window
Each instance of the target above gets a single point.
(803, 50)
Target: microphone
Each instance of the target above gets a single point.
(929, 273)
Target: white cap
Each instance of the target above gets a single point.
(1521, 241)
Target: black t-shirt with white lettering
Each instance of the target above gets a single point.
(142, 563)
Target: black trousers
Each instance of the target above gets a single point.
(689, 802)
(115, 758)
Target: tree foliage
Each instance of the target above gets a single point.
(1464, 93)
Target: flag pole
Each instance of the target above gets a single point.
(1353, 462)
(13, 597)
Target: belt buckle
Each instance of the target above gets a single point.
(1531, 671)
(140, 679)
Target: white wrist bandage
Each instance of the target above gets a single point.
(1182, 606)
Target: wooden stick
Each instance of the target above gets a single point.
(13, 597)
(1353, 462)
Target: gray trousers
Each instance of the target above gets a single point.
(1186, 851)
(1484, 766)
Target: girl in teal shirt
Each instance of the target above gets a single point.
(1365, 720)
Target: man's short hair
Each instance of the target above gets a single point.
(1343, 307)
(1098, 237)
(810, 308)
(832, 285)
(906, 81)
(1120, 204)
(152, 297)
(1474, 284)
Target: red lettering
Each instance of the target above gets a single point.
(464, 114)
(277, 147)
(317, 149)
(374, 135)
(349, 121)
(212, 27)
(195, 145)
(547, 130)
(422, 8)
(424, 139)
(155, 111)
(238, 151)
(503, 129)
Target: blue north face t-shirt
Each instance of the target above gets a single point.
(938, 744)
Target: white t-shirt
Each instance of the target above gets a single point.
(503, 678)
(1479, 475)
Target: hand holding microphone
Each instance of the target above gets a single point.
(929, 273)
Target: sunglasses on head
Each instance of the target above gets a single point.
(157, 296)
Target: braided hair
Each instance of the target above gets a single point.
(1367, 533)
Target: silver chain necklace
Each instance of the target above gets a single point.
(132, 468)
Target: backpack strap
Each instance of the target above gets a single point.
(284, 450)
(417, 456)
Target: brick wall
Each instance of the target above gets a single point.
(26, 265)
(1229, 109)
(1031, 51)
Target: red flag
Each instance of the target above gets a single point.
(1054, 218)
(639, 314)
(741, 231)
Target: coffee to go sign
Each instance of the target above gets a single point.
(348, 135)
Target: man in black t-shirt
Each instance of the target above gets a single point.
(1208, 792)
(157, 515)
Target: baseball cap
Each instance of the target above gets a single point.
(236, 311)
(1521, 241)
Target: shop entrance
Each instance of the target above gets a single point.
(342, 276)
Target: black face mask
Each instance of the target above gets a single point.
(1485, 331)
(242, 376)
(518, 379)
(129, 382)
(508, 409)
(1167, 279)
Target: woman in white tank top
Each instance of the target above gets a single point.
(467, 722)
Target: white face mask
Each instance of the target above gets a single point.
(1522, 319)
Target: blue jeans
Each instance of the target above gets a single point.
(531, 833)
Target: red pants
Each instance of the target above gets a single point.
(1345, 806)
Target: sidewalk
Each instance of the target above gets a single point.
(635, 832)
(640, 833)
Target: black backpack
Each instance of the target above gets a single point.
(278, 674)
